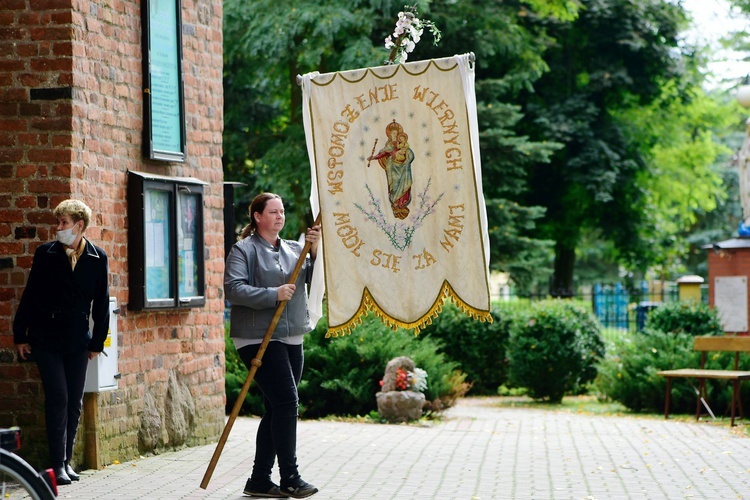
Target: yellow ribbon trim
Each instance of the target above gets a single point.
(368, 303)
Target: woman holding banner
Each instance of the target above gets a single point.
(256, 277)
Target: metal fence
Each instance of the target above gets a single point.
(616, 306)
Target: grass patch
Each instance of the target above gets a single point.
(591, 405)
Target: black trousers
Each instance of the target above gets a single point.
(63, 377)
(277, 378)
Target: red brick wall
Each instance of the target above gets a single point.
(35, 138)
(80, 141)
(726, 262)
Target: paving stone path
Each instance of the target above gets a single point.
(479, 451)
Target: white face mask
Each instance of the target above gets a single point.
(66, 236)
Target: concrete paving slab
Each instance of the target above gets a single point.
(479, 451)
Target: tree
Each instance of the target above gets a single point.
(678, 135)
(615, 56)
(509, 59)
(721, 223)
(264, 139)
(264, 142)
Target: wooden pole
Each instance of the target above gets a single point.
(256, 363)
(91, 455)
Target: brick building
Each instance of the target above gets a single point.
(728, 287)
(71, 126)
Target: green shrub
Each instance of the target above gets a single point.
(478, 347)
(343, 374)
(553, 349)
(628, 373)
(693, 318)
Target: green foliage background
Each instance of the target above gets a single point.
(342, 375)
(234, 378)
(599, 146)
(549, 349)
(589, 112)
(692, 318)
(478, 347)
(628, 372)
(264, 144)
(553, 350)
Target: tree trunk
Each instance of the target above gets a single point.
(562, 279)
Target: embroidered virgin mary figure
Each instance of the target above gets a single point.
(396, 158)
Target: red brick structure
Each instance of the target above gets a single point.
(730, 258)
(71, 120)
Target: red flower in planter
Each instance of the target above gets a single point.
(402, 380)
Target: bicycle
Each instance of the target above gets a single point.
(18, 480)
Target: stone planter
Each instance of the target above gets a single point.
(395, 405)
(400, 406)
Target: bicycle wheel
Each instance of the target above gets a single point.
(18, 481)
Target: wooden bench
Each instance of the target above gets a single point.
(705, 345)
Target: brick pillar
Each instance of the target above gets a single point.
(35, 151)
(731, 258)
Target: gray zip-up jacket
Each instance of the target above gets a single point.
(254, 271)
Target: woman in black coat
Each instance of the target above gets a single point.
(68, 286)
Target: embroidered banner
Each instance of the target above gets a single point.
(394, 156)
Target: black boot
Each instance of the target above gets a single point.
(71, 473)
(61, 476)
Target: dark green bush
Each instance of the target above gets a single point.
(628, 373)
(342, 375)
(693, 318)
(554, 349)
(478, 347)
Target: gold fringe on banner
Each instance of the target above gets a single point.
(368, 304)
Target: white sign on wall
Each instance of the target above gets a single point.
(730, 299)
